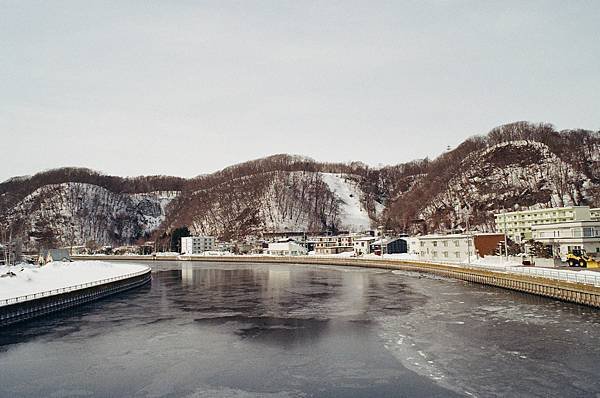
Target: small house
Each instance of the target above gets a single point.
(289, 248)
(48, 256)
(362, 245)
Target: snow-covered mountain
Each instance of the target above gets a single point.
(516, 165)
(274, 201)
(78, 212)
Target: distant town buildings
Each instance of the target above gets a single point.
(517, 224)
(563, 229)
(197, 244)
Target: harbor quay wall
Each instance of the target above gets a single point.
(24, 310)
(580, 293)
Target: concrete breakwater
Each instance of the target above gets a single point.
(67, 298)
(580, 293)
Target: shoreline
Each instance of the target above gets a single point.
(24, 307)
(564, 290)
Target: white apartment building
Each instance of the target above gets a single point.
(413, 245)
(454, 248)
(595, 214)
(286, 249)
(333, 244)
(362, 245)
(197, 244)
(566, 236)
(517, 224)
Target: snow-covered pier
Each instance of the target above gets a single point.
(30, 291)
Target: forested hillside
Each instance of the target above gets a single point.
(513, 166)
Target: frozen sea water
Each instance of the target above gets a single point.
(247, 330)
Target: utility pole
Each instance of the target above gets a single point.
(505, 239)
(468, 237)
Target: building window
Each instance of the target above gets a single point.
(435, 243)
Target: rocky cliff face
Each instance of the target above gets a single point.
(61, 214)
(510, 176)
(274, 201)
(514, 166)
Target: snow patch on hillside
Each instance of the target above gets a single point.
(353, 215)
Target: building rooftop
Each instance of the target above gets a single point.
(450, 236)
(540, 210)
(365, 238)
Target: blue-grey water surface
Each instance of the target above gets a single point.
(248, 330)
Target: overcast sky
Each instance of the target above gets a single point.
(189, 87)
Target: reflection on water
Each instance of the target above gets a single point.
(207, 329)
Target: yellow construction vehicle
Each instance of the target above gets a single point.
(579, 258)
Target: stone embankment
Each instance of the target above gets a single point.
(26, 307)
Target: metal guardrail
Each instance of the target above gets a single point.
(20, 299)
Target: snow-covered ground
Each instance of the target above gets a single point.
(353, 214)
(394, 256)
(31, 279)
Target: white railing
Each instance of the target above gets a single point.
(563, 275)
(20, 299)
